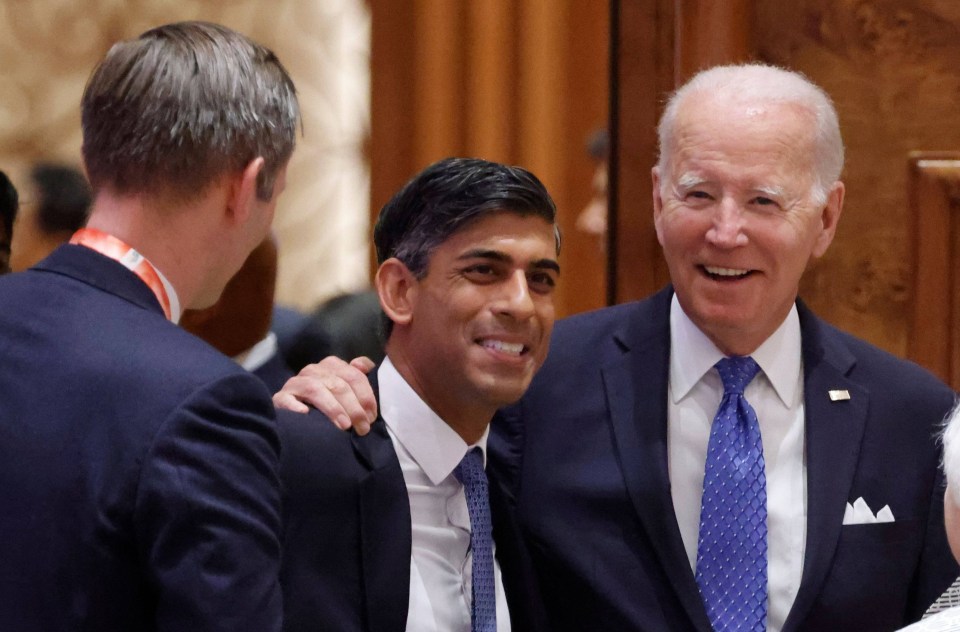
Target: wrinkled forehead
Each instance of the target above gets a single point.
(759, 138)
(747, 120)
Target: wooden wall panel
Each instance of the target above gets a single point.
(710, 33)
(891, 68)
(934, 342)
(645, 75)
(516, 81)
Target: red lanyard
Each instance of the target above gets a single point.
(110, 246)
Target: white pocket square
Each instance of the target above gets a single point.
(859, 513)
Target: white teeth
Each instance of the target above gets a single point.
(727, 272)
(513, 348)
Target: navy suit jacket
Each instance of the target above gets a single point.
(584, 458)
(347, 532)
(139, 483)
(274, 373)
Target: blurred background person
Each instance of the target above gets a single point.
(56, 204)
(592, 220)
(347, 326)
(8, 213)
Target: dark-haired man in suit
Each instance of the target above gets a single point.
(392, 531)
(138, 466)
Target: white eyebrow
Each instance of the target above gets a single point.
(688, 180)
(773, 192)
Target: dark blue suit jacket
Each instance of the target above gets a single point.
(138, 467)
(584, 456)
(347, 532)
(274, 373)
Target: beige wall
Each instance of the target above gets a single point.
(49, 47)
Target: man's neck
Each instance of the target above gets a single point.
(165, 237)
(469, 424)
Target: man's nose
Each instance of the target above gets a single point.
(516, 299)
(726, 231)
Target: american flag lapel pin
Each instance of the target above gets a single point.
(839, 395)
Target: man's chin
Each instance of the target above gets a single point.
(505, 393)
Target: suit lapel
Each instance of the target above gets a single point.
(636, 390)
(384, 531)
(834, 430)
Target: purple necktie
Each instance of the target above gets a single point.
(470, 473)
(732, 548)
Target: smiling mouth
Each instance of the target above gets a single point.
(509, 348)
(725, 274)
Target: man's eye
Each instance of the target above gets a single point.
(763, 201)
(542, 282)
(698, 195)
(481, 268)
(481, 273)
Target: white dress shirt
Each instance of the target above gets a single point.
(776, 394)
(441, 564)
(259, 354)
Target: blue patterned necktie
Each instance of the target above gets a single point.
(470, 473)
(732, 549)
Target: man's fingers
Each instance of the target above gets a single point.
(349, 384)
(289, 402)
(363, 363)
(330, 394)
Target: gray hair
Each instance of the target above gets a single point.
(183, 104)
(761, 82)
(951, 451)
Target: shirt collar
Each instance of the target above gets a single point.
(257, 355)
(175, 311)
(692, 354)
(433, 444)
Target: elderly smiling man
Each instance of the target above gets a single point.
(716, 457)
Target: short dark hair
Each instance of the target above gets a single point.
(171, 111)
(9, 203)
(63, 198)
(446, 197)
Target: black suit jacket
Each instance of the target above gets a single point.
(347, 531)
(138, 467)
(584, 457)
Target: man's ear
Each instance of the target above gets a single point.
(829, 217)
(243, 190)
(397, 288)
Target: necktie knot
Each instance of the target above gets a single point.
(470, 469)
(736, 372)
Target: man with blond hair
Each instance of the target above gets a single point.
(139, 466)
